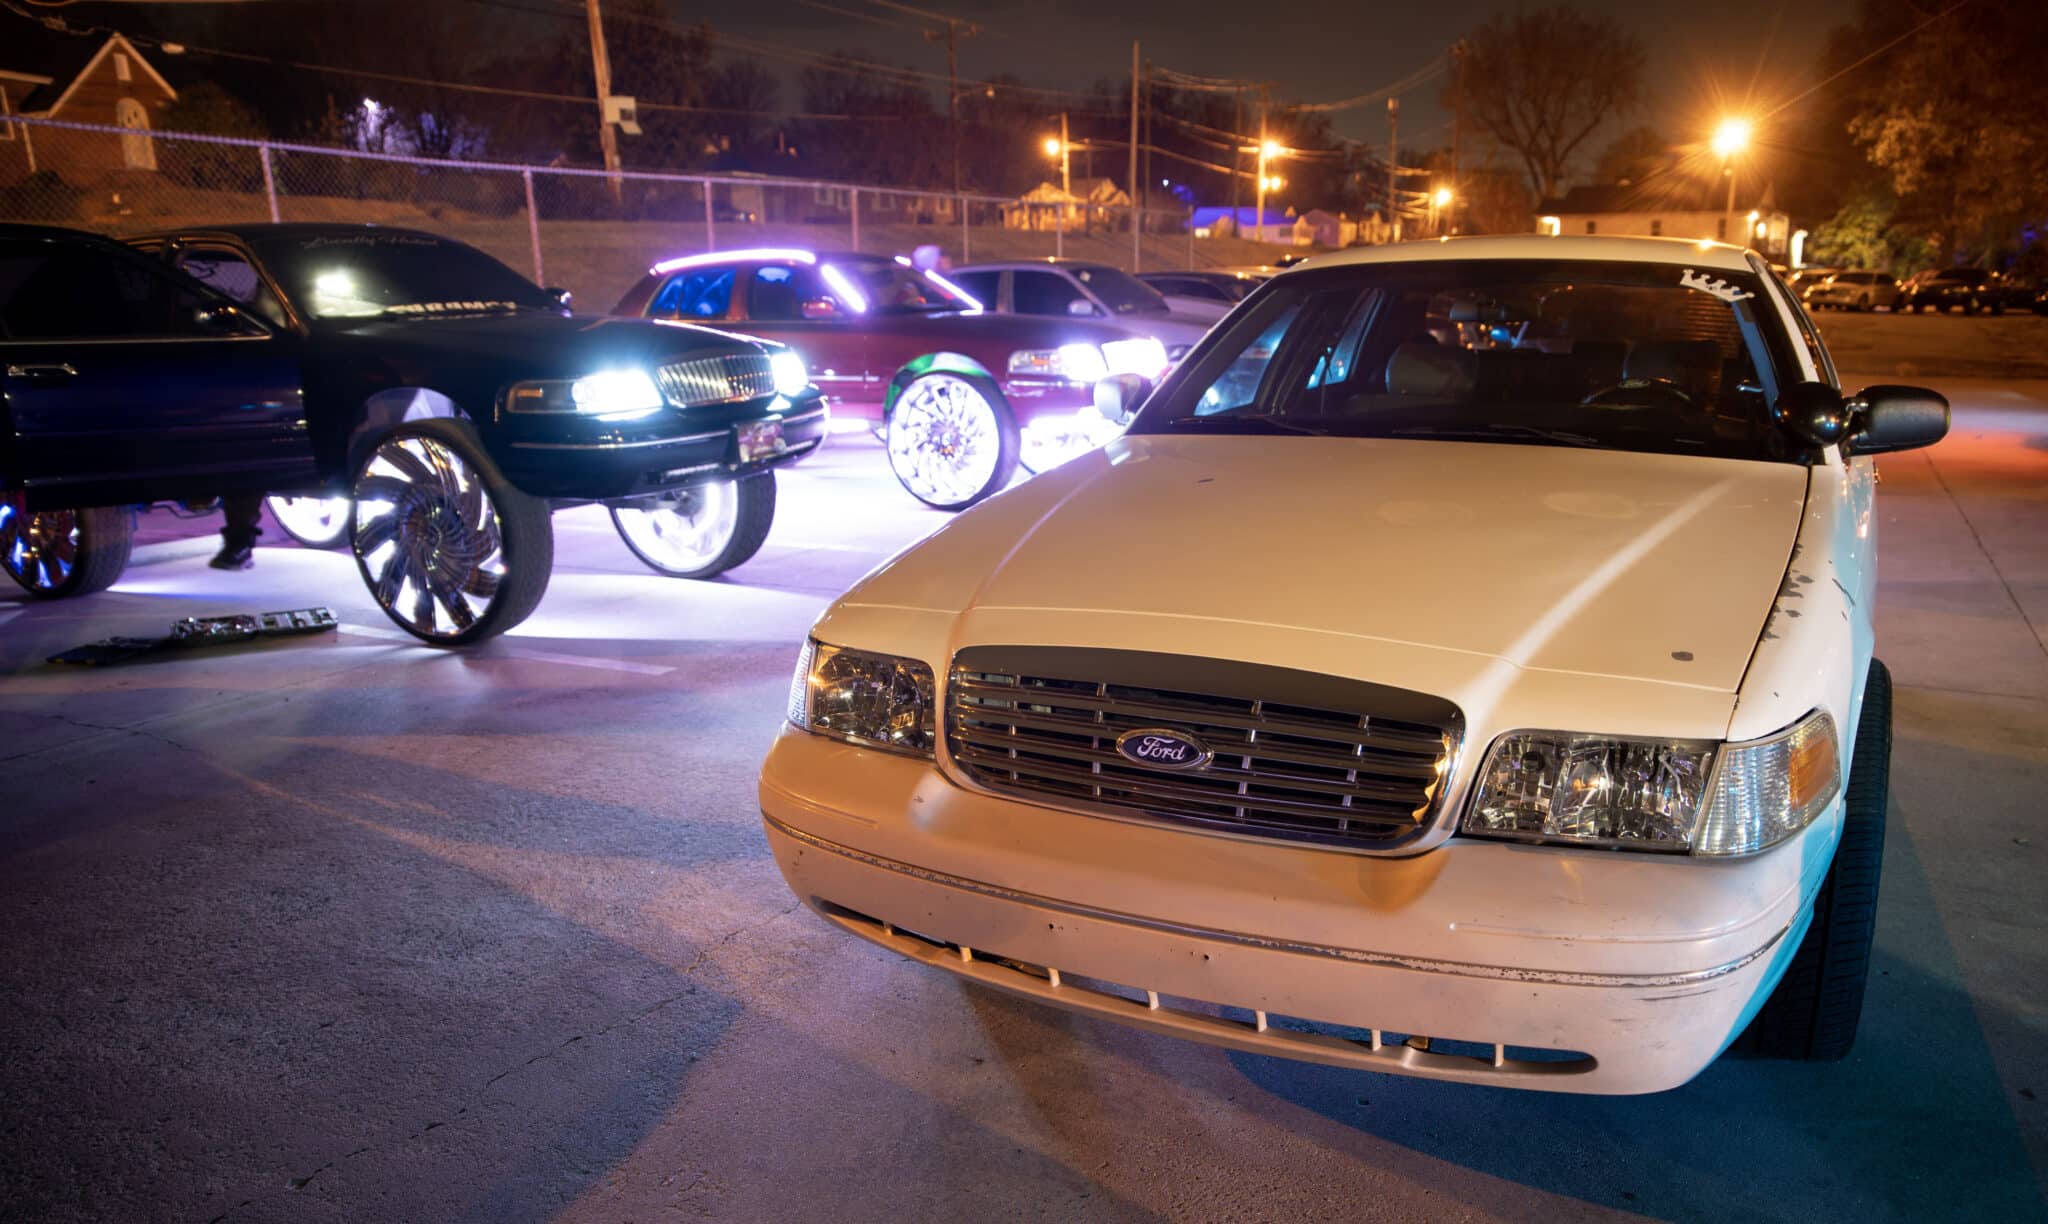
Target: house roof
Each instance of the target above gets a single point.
(1667, 193)
(58, 58)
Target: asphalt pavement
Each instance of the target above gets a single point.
(347, 929)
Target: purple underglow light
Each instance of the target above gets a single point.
(713, 257)
(844, 288)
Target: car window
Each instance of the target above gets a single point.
(74, 291)
(227, 272)
(1047, 293)
(702, 293)
(776, 293)
(364, 272)
(1620, 356)
(1117, 289)
(980, 285)
(1809, 335)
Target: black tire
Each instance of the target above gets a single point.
(455, 523)
(1863, 303)
(755, 514)
(60, 554)
(1813, 1013)
(1006, 442)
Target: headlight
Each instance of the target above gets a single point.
(1082, 363)
(791, 379)
(1140, 355)
(882, 701)
(1683, 796)
(609, 395)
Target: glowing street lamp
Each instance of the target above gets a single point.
(1440, 203)
(1269, 150)
(1729, 140)
(1062, 147)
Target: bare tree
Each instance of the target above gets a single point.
(1542, 82)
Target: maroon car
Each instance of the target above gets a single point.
(961, 397)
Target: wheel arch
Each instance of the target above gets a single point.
(941, 362)
(390, 407)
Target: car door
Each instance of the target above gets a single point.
(792, 303)
(124, 382)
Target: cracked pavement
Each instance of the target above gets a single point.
(344, 929)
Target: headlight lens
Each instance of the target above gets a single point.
(1140, 355)
(1643, 794)
(791, 378)
(1081, 363)
(616, 395)
(880, 700)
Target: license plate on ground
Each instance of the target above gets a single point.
(761, 440)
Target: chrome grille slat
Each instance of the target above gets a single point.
(1295, 755)
(728, 378)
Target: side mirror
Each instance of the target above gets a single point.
(1118, 397)
(560, 295)
(821, 308)
(1889, 417)
(1812, 412)
(1082, 308)
(221, 318)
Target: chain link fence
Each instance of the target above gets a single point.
(590, 232)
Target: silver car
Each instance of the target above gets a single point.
(1076, 289)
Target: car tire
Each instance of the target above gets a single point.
(59, 554)
(1863, 303)
(1813, 1013)
(315, 522)
(433, 514)
(952, 441)
(701, 531)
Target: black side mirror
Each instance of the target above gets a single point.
(1812, 412)
(1889, 417)
(1118, 396)
(558, 293)
(221, 319)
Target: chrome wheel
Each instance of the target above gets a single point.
(428, 537)
(316, 522)
(682, 532)
(39, 550)
(945, 441)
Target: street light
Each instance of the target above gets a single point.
(1061, 146)
(1440, 202)
(1269, 150)
(1730, 139)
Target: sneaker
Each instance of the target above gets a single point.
(234, 557)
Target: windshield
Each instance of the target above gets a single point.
(363, 274)
(897, 288)
(1120, 291)
(1620, 356)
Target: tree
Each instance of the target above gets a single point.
(1632, 156)
(1541, 83)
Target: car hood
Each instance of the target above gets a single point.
(1648, 567)
(543, 344)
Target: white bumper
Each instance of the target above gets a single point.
(1528, 967)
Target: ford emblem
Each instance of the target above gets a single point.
(1160, 748)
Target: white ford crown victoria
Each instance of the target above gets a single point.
(1461, 667)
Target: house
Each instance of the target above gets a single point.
(1219, 222)
(1671, 207)
(1316, 227)
(1091, 203)
(49, 74)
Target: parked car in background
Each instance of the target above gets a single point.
(1807, 279)
(1966, 289)
(1304, 796)
(1072, 289)
(1199, 293)
(1856, 290)
(450, 400)
(961, 396)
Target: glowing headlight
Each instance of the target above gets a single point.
(791, 379)
(1082, 363)
(616, 395)
(1644, 794)
(1144, 356)
(879, 700)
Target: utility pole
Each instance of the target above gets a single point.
(1059, 248)
(601, 67)
(954, 31)
(1393, 163)
(1236, 158)
(1457, 129)
(1137, 218)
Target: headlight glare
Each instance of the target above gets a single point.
(1144, 356)
(1082, 363)
(880, 700)
(1771, 788)
(1555, 786)
(616, 395)
(791, 378)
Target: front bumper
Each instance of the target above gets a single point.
(558, 457)
(1480, 962)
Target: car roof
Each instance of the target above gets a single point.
(22, 229)
(254, 230)
(992, 265)
(1720, 256)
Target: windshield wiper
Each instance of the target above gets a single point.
(1497, 431)
(1264, 420)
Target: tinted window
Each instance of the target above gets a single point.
(65, 291)
(888, 287)
(225, 271)
(777, 293)
(363, 273)
(980, 284)
(1120, 291)
(705, 293)
(1046, 293)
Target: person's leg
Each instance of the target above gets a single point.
(238, 531)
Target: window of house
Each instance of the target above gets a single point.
(1592, 227)
(121, 70)
(1656, 227)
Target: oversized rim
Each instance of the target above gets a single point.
(684, 530)
(39, 550)
(317, 522)
(945, 440)
(428, 537)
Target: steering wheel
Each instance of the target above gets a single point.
(1640, 393)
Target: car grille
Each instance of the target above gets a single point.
(725, 379)
(1297, 756)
